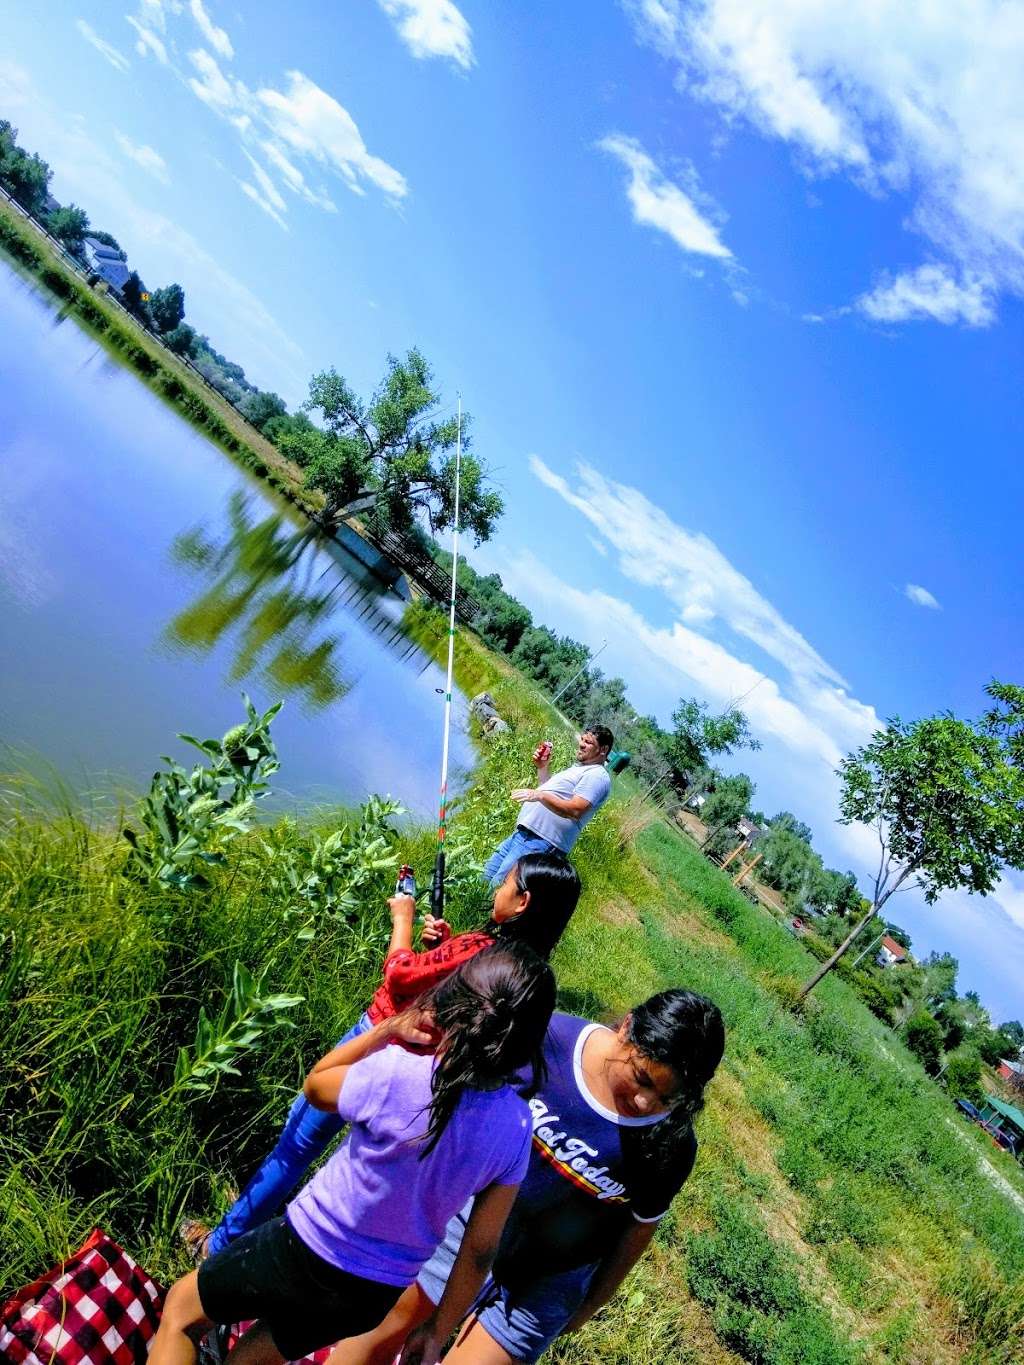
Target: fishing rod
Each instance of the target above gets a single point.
(437, 884)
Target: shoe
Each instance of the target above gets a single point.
(196, 1237)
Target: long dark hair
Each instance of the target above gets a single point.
(492, 1014)
(554, 887)
(683, 1031)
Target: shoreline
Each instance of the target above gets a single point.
(26, 247)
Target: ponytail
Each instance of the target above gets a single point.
(492, 1014)
(554, 888)
(683, 1031)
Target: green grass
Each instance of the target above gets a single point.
(834, 1213)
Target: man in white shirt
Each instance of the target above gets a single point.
(553, 814)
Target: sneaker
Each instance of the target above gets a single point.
(196, 1237)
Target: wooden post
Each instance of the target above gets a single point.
(749, 868)
(738, 849)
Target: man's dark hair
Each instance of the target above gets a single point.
(602, 734)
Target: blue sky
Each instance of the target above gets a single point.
(732, 290)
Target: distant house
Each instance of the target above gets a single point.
(50, 205)
(748, 831)
(1011, 1071)
(105, 261)
(890, 952)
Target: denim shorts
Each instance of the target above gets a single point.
(524, 1323)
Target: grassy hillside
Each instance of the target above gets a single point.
(838, 1211)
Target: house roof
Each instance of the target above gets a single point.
(1008, 1111)
(1018, 1067)
(897, 949)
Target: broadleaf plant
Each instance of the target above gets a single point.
(189, 816)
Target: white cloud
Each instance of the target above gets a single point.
(148, 40)
(930, 293)
(216, 37)
(688, 567)
(921, 597)
(116, 58)
(902, 95)
(267, 186)
(312, 122)
(599, 546)
(294, 178)
(658, 202)
(432, 28)
(147, 157)
(220, 92)
(264, 202)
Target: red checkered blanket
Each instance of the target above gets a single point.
(98, 1307)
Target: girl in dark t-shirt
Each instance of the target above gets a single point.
(613, 1143)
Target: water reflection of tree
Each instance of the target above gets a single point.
(262, 589)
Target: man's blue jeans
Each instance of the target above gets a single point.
(305, 1136)
(507, 854)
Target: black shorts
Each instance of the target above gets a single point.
(304, 1301)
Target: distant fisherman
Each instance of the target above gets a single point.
(553, 814)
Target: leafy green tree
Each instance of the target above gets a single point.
(698, 736)
(1014, 1030)
(180, 339)
(393, 457)
(832, 892)
(70, 225)
(788, 821)
(259, 408)
(724, 808)
(788, 862)
(947, 804)
(131, 297)
(963, 1077)
(1006, 718)
(167, 307)
(25, 177)
(924, 1039)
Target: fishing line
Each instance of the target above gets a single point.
(437, 885)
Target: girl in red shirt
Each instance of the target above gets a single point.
(532, 905)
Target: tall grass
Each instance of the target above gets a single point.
(834, 1214)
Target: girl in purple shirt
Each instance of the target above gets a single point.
(429, 1130)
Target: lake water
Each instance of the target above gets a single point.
(145, 581)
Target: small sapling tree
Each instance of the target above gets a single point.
(946, 799)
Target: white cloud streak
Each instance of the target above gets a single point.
(660, 203)
(432, 28)
(930, 293)
(116, 58)
(264, 203)
(148, 41)
(144, 156)
(921, 597)
(216, 37)
(903, 96)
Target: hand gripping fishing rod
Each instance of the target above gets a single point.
(437, 885)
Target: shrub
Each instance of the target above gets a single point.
(924, 1039)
